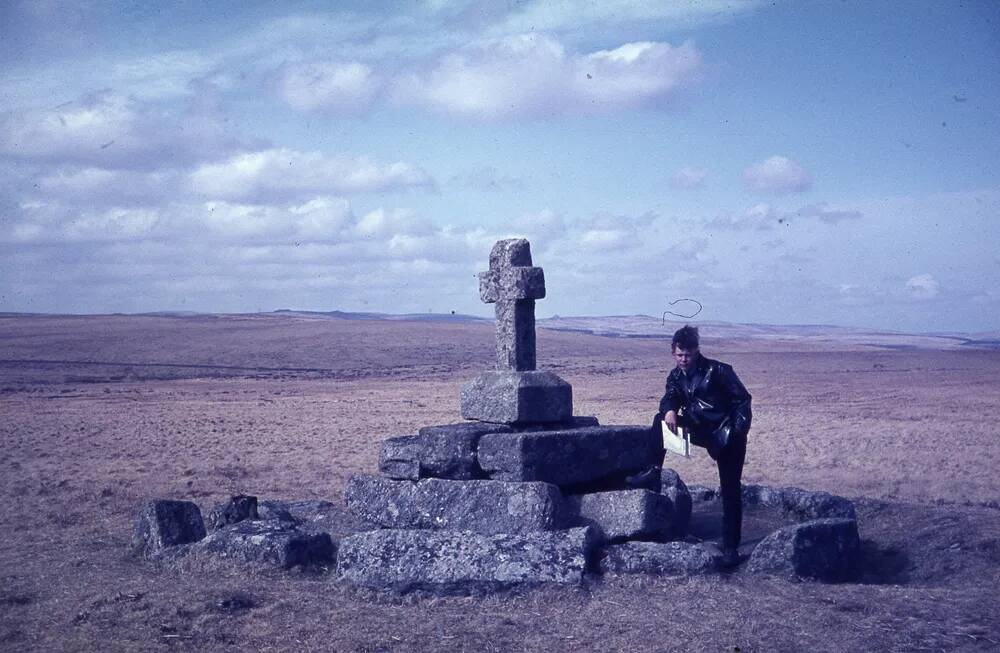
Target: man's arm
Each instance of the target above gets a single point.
(671, 402)
(740, 413)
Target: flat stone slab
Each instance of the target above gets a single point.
(569, 457)
(509, 397)
(625, 514)
(271, 542)
(164, 523)
(449, 450)
(659, 558)
(448, 561)
(479, 505)
(823, 549)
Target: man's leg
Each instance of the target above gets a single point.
(730, 463)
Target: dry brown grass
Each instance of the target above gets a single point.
(195, 408)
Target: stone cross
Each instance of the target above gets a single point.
(513, 285)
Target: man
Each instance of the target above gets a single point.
(706, 397)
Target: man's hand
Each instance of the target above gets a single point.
(671, 420)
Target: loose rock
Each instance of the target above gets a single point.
(163, 523)
(822, 549)
(400, 457)
(269, 542)
(239, 508)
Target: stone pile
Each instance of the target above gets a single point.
(523, 492)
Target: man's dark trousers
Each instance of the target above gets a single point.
(730, 461)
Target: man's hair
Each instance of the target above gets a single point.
(685, 337)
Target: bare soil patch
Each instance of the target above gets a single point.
(102, 412)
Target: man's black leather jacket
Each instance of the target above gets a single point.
(713, 400)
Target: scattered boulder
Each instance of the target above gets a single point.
(482, 506)
(240, 507)
(448, 561)
(569, 457)
(400, 457)
(274, 510)
(269, 542)
(164, 523)
(798, 504)
(701, 493)
(660, 558)
(624, 515)
(822, 549)
(449, 450)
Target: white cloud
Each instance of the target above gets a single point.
(763, 216)
(688, 177)
(283, 173)
(533, 75)
(109, 130)
(340, 86)
(922, 286)
(777, 174)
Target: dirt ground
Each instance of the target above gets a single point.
(99, 413)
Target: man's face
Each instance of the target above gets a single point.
(685, 358)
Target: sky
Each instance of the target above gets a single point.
(779, 162)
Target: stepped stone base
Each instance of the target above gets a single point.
(624, 515)
(447, 561)
(510, 397)
(482, 506)
(572, 457)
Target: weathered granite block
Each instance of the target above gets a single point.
(447, 561)
(163, 523)
(478, 505)
(662, 558)
(574, 422)
(799, 504)
(822, 549)
(509, 397)
(672, 487)
(277, 543)
(513, 283)
(571, 457)
(623, 515)
(400, 457)
(449, 450)
(240, 507)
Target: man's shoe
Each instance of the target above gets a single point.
(730, 558)
(645, 480)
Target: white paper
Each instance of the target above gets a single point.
(678, 443)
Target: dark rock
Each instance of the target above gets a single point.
(509, 397)
(672, 487)
(822, 549)
(664, 558)
(274, 510)
(701, 493)
(163, 523)
(574, 422)
(626, 514)
(447, 561)
(239, 508)
(269, 542)
(478, 505)
(572, 457)
(645, 480)
(799, 504)
(400, 457)
(449, 450)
